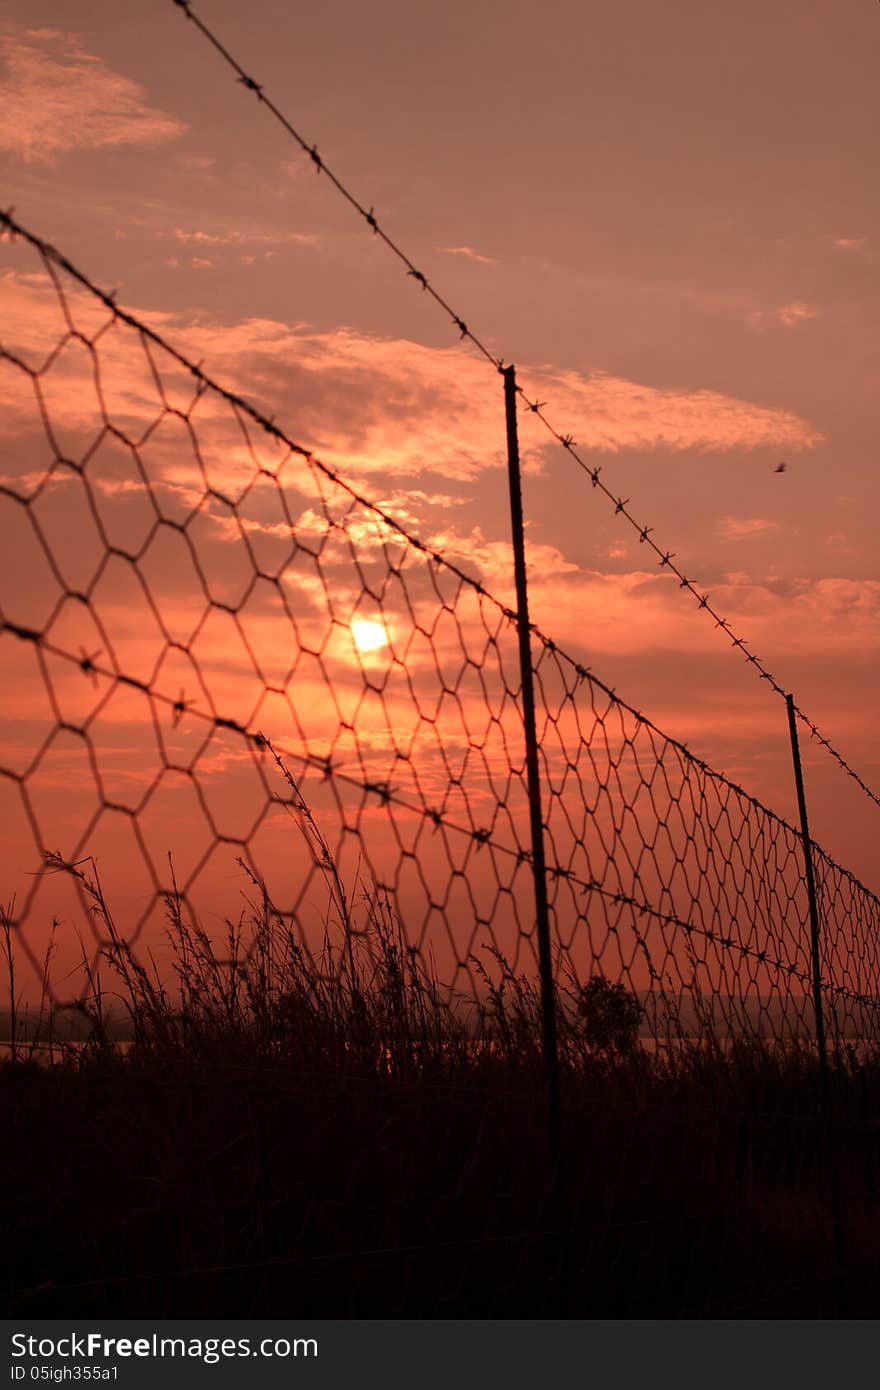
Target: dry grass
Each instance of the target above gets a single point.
(333, 1132)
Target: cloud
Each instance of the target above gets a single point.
(642, 613)
(798, 312)
(737, 528)
(368, 405)
(826, 616)
(244, 238)
(196, 163)
(200, 238)
(851, 243)
(610, 413)
(840, 541)
(785, 316)
(467, 253)
(65, 98)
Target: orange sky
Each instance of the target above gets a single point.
(667, 218)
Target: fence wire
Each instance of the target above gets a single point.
(227, 668)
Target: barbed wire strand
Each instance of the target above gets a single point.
(666, 558)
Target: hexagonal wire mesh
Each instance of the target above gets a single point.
(224, 665)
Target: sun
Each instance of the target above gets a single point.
(368, 636)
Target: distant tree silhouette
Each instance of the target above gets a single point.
(611, 1016)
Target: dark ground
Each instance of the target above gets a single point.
(159, 1188)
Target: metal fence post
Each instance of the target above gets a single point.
(539, 868)
(830, 1132)
(811, 884)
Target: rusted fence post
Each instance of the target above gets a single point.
(830, 1136)
(539, 868)
(811, 884)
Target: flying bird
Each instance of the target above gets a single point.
(780, 468)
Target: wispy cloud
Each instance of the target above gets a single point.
(741, 528)
(791, 314)
(840, 542)
(200, 238)
(59, 97)
(636, 612)
(610, 413)
(196, 163)
(236, 238)
(784, 316)
(467, 253)
(850, 243)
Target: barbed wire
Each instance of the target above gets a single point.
(645, 533)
